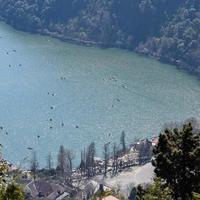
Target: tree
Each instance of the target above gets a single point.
(115, 158)
(50, 171)
(140, 192)
(171, 30)
(133, 194)
(82, 165)
(106, 157)
(49, 162)
(3, 172)
(34, 165)
(177, 160)
(70, 156)
(122, 141)
(13, 192)
(90, 164)
(154, 191)
(196, 196)
(9, 190)
(62, 166)
(145, 151)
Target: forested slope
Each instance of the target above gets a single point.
(166, 29)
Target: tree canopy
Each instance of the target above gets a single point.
(9, 190)
(166, 29)
(177, 160)
(177, 166)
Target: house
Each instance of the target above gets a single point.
(88, 188)
(154, 141)
(64, 195)
(45, 189)
(110, 198)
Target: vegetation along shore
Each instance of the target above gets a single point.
(167, 30)
(94, 177)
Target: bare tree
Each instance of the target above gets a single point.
(49, 167)
(34, 165)
(106, 157)
(122, 141)
(83, 163)
(115, 158)
(49, 162)
(70, 157)
(62, 166)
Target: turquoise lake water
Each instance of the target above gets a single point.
(54, 93)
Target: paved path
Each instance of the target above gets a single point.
(134, 176)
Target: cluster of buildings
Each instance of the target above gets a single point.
(80, 186)
(139, 153)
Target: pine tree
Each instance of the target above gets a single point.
(177, 160)
(82, 165)
(90, 164)
(154, 191)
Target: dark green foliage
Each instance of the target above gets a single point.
(177, 161)
(166, 29)
(132, 195)
(9, 190)
(13, 192)
(140, 192)
(179, 39)
(155, 191)
(196, 196)
(177, 166)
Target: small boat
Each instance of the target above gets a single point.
(118, 100)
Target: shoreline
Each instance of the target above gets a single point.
(89, 43)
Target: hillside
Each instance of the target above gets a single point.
(168, 30)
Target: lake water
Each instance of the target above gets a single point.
(54, 93)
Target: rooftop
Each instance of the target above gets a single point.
(110, 198)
